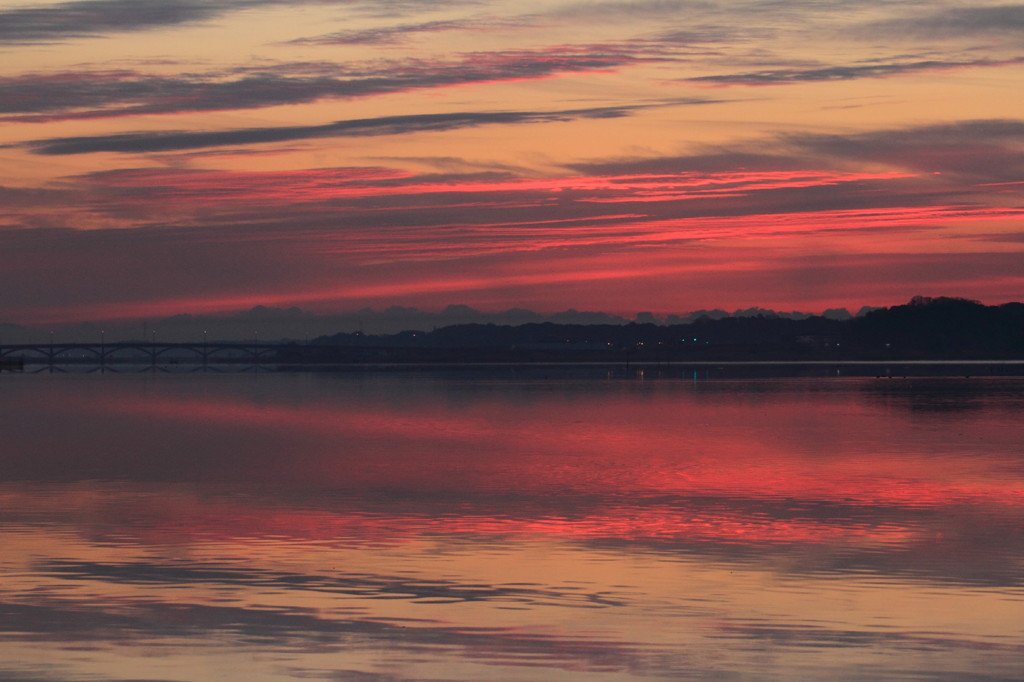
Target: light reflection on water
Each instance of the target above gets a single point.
(510, 525)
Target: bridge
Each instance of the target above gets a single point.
(138, 352)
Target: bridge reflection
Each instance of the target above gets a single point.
(153, 355)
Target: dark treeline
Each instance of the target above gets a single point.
(923, 329)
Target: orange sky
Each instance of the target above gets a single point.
(656, 155)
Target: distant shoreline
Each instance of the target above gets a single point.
(823, 368)
(698, 370)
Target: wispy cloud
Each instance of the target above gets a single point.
(94, 17)
(983, 150)
(384, 125)
(953, 22)
(90, 18)
(931, 175)
(144, 620)
(633, 8)
(380, 234)
(978, 151)
(844, 73)
(100, 94)
(936, 174)
(393, 34)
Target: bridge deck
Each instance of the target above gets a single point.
(129, 351)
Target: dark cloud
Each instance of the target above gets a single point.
(292, 231)
(332, 200)
(26, 197)
(362, 585)
(390, 34)
(633, 8)
(384, 125)
(43, 96)
(89, 18)
(818, 636)
(978, 131)
(796, 174)
(719, 161)
(98, 94)
(701, 34)
(296, 629)
(980, 150)
(986, 149)
(704, 33)
(1016, 238)
(748, 16)
(843, 73)
(68, 20)
(953, 22)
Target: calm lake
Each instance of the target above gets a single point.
(510, 524)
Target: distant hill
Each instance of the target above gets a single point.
(924, 328)
(275, 324)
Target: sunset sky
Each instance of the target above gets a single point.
(162, 157)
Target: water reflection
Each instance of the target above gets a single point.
(418, 525)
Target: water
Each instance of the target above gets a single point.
(512, 524)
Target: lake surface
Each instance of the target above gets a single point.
(510, 524)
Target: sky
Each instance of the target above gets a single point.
(199, 157)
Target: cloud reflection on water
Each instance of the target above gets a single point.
(617, 529)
